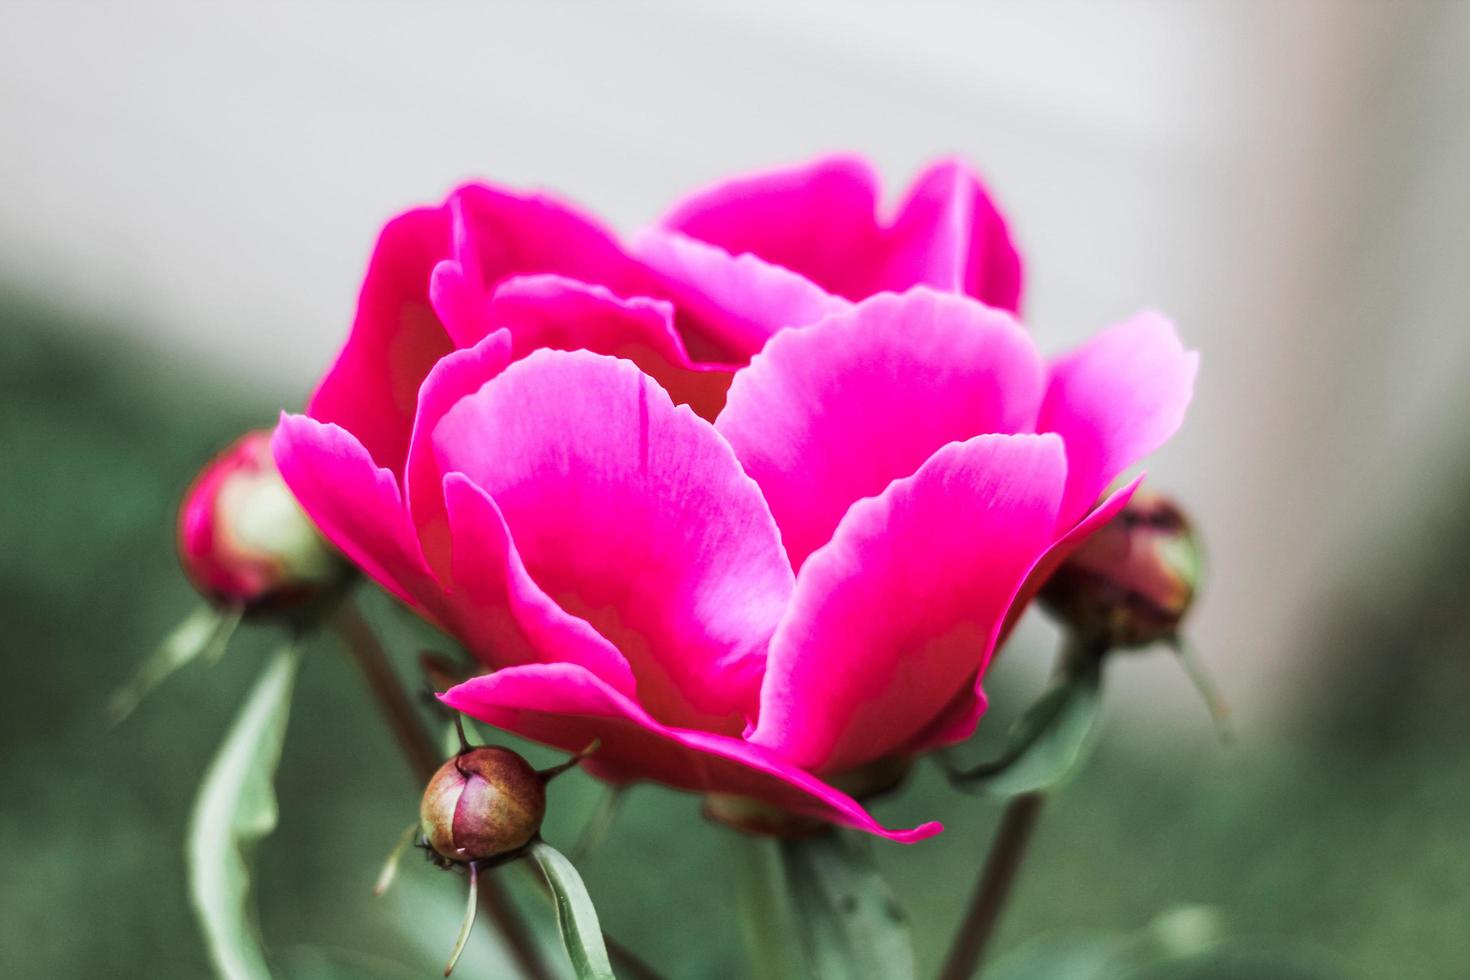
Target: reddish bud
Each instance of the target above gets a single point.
(483, 803)
(1131, 583)
(244, 540)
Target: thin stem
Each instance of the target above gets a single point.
(982, 916)
(395, 706)
(469, 919)
(423, 758)
(998, 878)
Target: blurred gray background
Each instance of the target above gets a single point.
(199, 185)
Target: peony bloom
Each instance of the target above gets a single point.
(752, 500)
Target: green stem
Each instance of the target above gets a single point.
(997, 880)
(1003, 862)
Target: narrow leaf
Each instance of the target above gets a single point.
(202, 634)
(850, 924)
(1200, 677)
(467, 924)
(390, 866)
(581, 933)
(1045, 744)
(235, 808)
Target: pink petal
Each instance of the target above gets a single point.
(1114, 400)
(357, 506)
(834, 412)
(817, 219)
(960, 718)
(635, 516)
(499, 233)
(949, 234)
(501, 614)
(372, 388)
(561, 313)
(892, 618)
(456, 376)
(567, 707)
(739, 301)
(1063, 547)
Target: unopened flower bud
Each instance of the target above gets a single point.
(245, 541)
(1131, 583)
(483, 803)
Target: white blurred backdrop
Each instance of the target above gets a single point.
(1286, 179)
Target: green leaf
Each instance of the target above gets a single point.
(1046, 743)
(850, 924)
(203, 633)
(235, 808)
(575, 915)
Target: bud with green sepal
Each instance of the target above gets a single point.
(1132, 583)
(251, 552)
(483, 807)
(482, 804)
(244, 541)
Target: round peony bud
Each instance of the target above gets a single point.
(483, 803)
(1131, 583)
(244, 540)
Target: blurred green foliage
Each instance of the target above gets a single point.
(1350, 834)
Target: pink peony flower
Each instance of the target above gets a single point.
(753, 500)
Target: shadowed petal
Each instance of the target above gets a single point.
(503, 615)
(892, 618)
(499, 233)
(831, 413)
(738, 300)
(567, 707)
(635, 516)
(563, 314)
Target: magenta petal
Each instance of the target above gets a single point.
(835, 411)
(564, 314)
(1064, 546)
(949, 234)
(501, 614)
(894, 617)
(817, 219)
(1114, 400)
(959, 720)
(372, 388)
(738, 301)
(635, 516)
(567, 707)
(357, 506)
(499, 233)
(459, 374)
